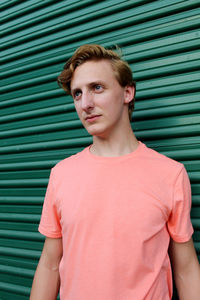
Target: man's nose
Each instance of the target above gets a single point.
(87, 100)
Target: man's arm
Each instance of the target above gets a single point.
(46, 282)
(186, 269)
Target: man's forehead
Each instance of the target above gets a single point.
(91, 72)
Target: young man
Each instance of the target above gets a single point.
(111, 210)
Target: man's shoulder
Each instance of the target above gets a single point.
(161, 160)
(70, 161)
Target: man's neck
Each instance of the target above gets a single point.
(113, 146)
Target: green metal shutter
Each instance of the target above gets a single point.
(39, 126)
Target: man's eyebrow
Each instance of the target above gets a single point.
(96, 82)
(90, 84)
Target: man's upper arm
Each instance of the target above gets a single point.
(183, 255)
(52, 253)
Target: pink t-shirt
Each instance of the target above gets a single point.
(115, 216)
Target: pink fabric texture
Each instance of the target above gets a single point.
(115, 216)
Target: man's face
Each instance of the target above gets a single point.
(101, 103)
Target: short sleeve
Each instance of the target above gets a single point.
(179, 223)
(50, 220)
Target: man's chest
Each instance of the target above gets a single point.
(122, 205)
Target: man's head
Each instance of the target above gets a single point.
(85, 53)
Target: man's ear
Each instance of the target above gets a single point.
(129, 93)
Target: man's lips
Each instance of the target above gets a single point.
(92, 118)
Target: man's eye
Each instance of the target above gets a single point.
(77, 94)
(98, 87)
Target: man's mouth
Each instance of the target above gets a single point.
(92, 118)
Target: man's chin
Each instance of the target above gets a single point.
(96, 130)
(97, 133)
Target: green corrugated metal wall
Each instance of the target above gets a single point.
(39, 126)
